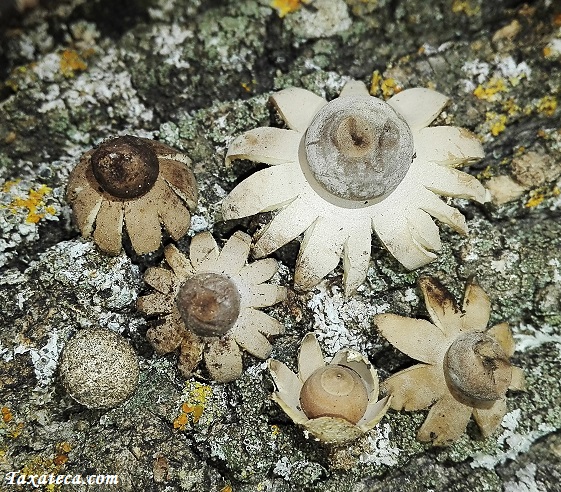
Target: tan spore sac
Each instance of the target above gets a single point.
(464, 367)
(135, 183)
(337, 402)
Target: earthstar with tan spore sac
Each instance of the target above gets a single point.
(465, 367)
(351, 166)
(336, 402)
(207, 305)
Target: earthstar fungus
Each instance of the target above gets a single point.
(207, 305)
(136, 182)
(336, 402)
(347, 167)
(465, 368)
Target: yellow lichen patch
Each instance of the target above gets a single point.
(384, 87)
(510, 107)
(227, 488)
(496, 122)
(284, 7)
(275, 431)
(6, 414)
(248, 86)
(490, 91)
(194, 406)
(71, 62)
(7, 186)
(62, 449)
(33, 202)
(487, 173)
(538, 195)
(547, 105)
(465, 7)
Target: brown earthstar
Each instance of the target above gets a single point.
(465, 367)
(137, 182)
(207, 305)
(351, 166)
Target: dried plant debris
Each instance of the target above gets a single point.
(337, 401)
(347, 167)
(465, 368)
(207, 305)
(135, 182)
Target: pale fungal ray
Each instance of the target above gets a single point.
(288, 390)
(251, 340)
(161, 279)
(178, 262)
(488, 419)
(446, 422)
(356, 257)
(203, 251)
(257, 320)
(86, 208)
(477, 310)
(261, 193)
(234, 253)
(448, 181)
(259, 271)
(408, 394)
(289, 223)
(456, 146)
(319, 254)
(173, 215)
(441, 306)
(416, 338)
(423, 229)
(446, 214)
(109, 226)
(143, 224)
(397, 238)
(354, 88)
(226, 359)
(297, 107)
(310, 357)
(266, 144)
(419, 106)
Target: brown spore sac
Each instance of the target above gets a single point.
(125, 167)
(209, 304)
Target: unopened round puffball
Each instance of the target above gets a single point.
(98, 368)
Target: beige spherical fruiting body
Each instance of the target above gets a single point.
(98, 368)
(477, 368)
(209, 304)
(358, 148)
(334, 391)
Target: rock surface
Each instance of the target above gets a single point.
(194, 75)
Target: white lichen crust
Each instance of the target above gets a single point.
(465, 368)
(203, 321)
(336, 178)
(339, 422)
(146, 204)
